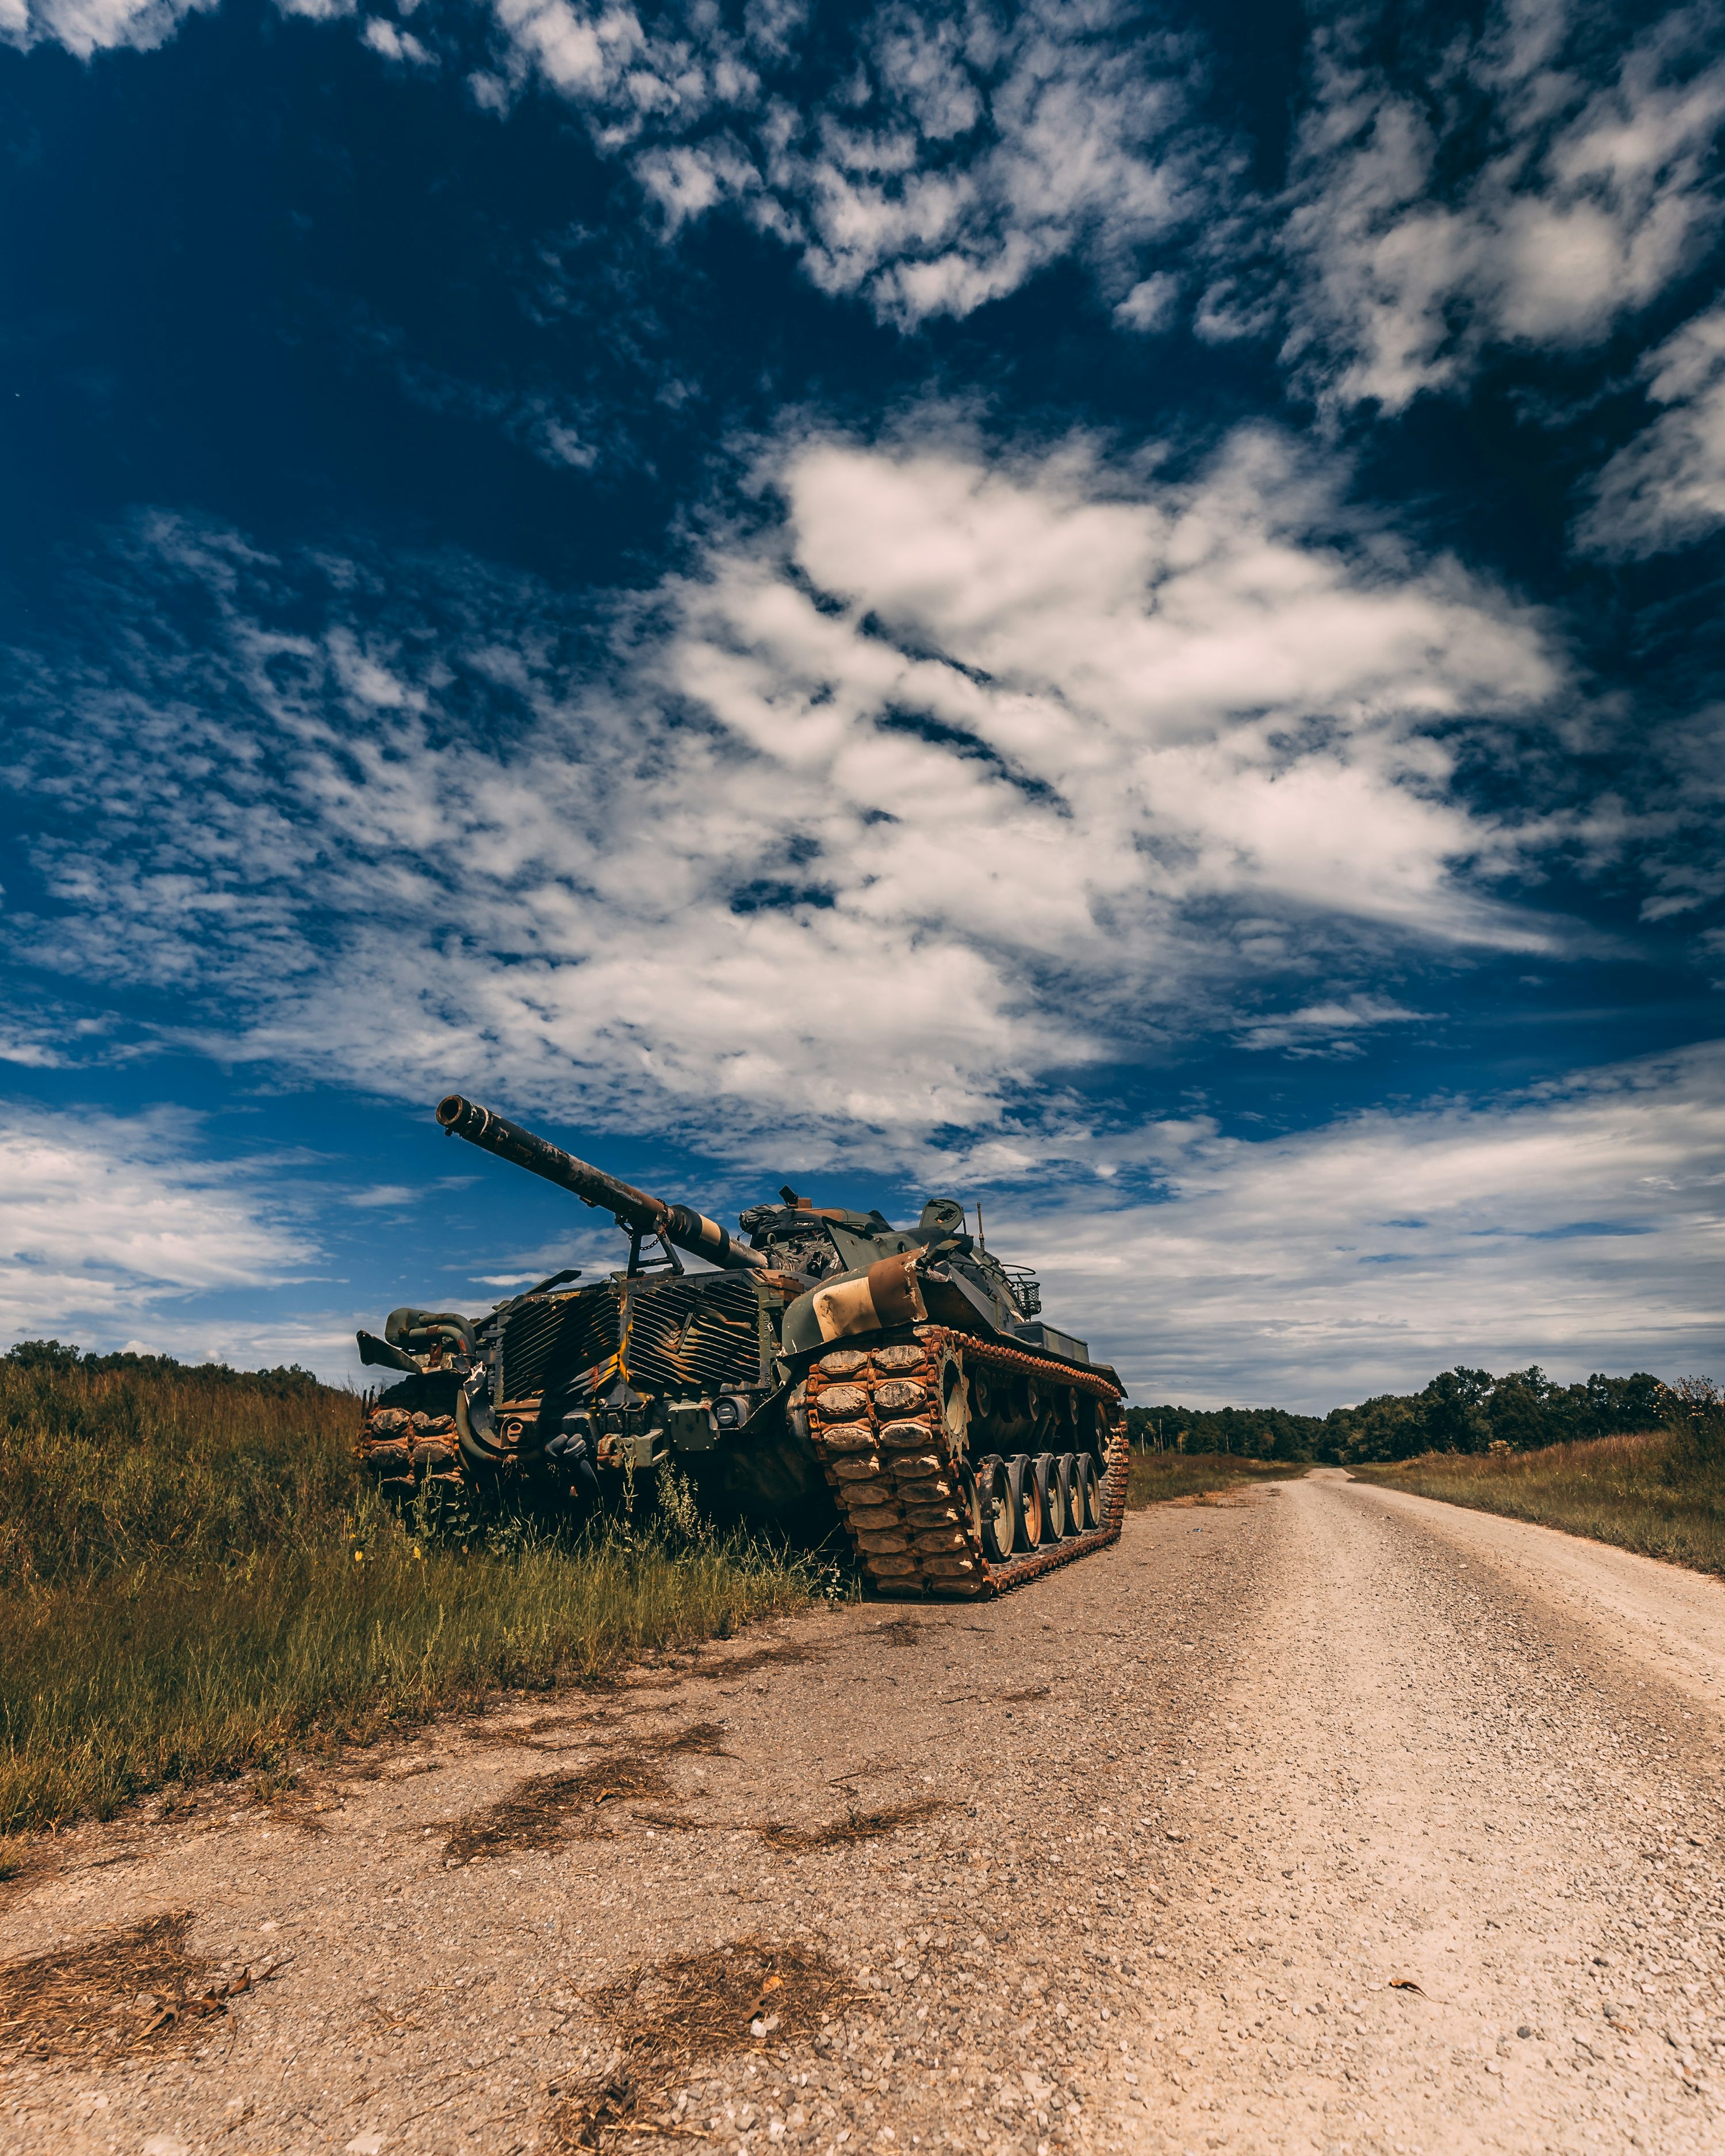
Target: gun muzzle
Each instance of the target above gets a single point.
(632, 1209)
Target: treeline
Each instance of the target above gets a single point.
(58, 1356)
(1247, 1433)
(1460, 1410)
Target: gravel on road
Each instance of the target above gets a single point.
(1321, 1818)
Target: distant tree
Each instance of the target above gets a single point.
(1255, 1433)
(1610, 1404)
(57, 1355)
(1460, 1410)
(43, 1355)
(1517, 1411)
(1452, 1409)
(1336, 1437)
(1387, 1427)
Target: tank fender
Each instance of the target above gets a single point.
(887, 1292)
(907, 1290)
(956, 1300)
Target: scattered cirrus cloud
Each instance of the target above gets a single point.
(1332, 1028)
(1665, 487)
(1531, 182)
(87, 27)
(1574, 1225)
(930, 163)
(926, 161)
(1532, 185)
(391, 43)
(967, 766)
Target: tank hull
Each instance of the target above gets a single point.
(899, 1437)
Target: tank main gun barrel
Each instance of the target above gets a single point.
(631, 1209)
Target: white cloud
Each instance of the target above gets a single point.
(31, 1054)
(1575, 1226)
(109, 1218)
(392, 43)
(1330, 1027)
(1533, 183)
(973, 766)
(933, 164)
(39, 1034)
(1666, 486)
(319, 1341)
(87, 27)
(1151, 305)
(1585, 186)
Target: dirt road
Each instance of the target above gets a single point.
(1169, 1828)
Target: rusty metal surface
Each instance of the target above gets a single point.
(905, 1549)
(391, 1439)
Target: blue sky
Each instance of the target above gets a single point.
(1110, 609)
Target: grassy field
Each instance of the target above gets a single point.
(191, 1585)
(1649, 1493)
(1152, 1478)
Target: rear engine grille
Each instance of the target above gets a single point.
(689, 1338)
(575, 1331)
(688, 1335)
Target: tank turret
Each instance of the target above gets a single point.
(820, 1368)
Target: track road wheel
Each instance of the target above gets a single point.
(966, 1498)
(1066, 1474)
(995, 1509)
(1026, 1502)
(1048, 1491)
(1089, 1492)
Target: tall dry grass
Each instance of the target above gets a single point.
(101, 1469)
(192, 1584)
(1654, 1493)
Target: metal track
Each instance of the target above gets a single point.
(896, 1471)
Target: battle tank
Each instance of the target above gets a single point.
(823, 1369)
